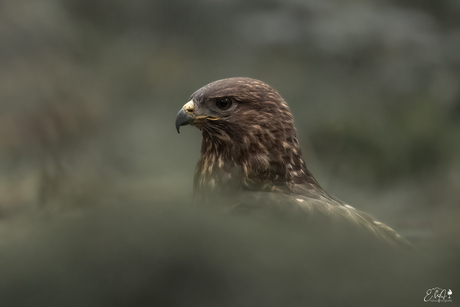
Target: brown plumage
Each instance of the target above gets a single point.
(251, 158)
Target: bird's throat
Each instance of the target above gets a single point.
(226, 170)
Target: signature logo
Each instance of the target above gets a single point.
(438, 295)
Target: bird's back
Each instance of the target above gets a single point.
(318, 212)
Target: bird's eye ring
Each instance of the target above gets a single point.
(223, 103)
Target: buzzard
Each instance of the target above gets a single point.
(251, 159)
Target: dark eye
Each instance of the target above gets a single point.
(223, 103)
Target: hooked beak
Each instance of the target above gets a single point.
(185, 115)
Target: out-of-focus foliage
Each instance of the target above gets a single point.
(175, 255)
(89, 90)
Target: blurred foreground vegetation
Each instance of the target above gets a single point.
(89, 91)
(159, 254)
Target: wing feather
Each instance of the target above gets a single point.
(317, 213)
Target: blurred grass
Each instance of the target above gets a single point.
(174, 255)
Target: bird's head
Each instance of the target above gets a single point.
(240, 111)
(245, 124)
(224, 104)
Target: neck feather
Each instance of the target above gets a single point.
(263, 160)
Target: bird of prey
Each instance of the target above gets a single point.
(251, 158)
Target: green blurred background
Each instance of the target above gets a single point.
(89, 90)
